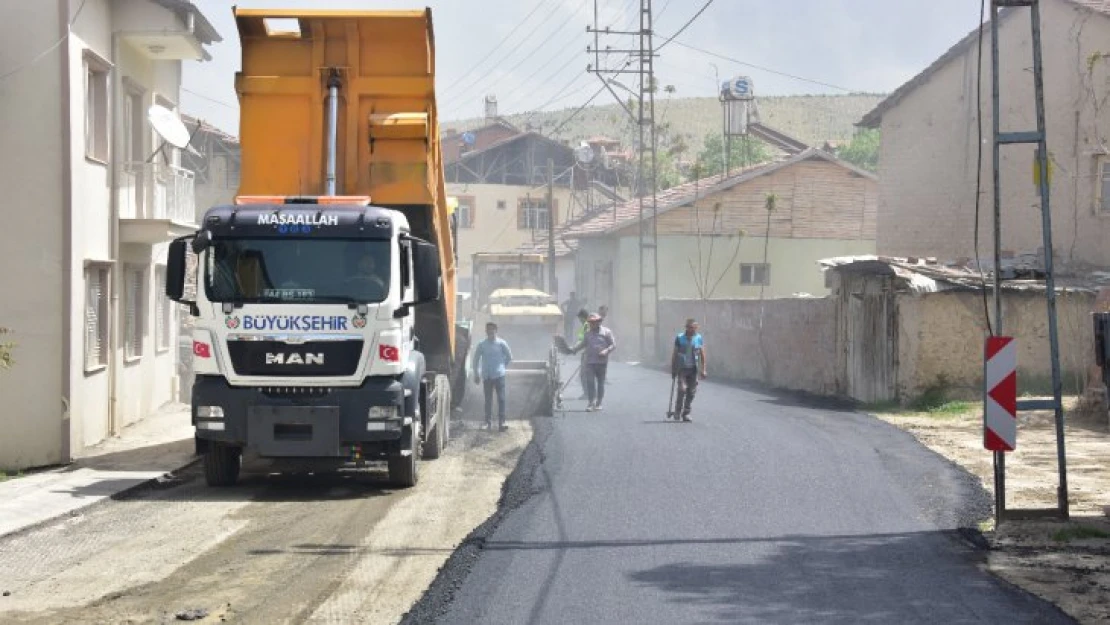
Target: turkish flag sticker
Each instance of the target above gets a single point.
(389, 353)
(202, 350)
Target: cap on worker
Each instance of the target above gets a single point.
(594, 318)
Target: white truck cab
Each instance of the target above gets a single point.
(305, 344)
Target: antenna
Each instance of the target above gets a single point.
(169, 127)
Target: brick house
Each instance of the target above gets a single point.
(823, 207)
(927, 177)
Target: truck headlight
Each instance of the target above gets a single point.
(210, 412)
(382, 412)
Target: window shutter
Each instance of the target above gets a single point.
(92, 304)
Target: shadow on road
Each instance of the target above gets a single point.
(885, 578)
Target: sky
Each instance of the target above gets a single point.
(532, 53)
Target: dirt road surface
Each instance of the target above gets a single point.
(1065, 563)
(274, 549)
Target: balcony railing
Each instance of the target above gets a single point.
(155, 191)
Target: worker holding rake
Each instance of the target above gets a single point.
(687, 367)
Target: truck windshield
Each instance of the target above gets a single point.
(298, 270)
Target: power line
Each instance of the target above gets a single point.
(498, 46)
(212, 100)
(763, 69)
(41, 55)
(524, 83)
(979, 166)
(577, 111)
(507, 55)
(686, 25)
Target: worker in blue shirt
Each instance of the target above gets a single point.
(491, 357)
(687, 365)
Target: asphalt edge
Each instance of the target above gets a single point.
(515, 492)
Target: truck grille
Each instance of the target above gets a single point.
(308, 359)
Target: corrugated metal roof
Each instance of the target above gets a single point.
(921, 276)
(874, 118)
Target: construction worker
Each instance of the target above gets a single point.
(687, 366)
(598, 343)
(583, 326)
(493, 356)
(572, 304)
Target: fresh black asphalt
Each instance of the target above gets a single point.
(765, 509)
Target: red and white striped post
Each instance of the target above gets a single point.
(1000, 403)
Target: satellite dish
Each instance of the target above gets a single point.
(584, 154)
(469, 138)
(168, 126)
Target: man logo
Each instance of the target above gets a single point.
(294, 359)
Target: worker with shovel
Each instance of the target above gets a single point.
(687, 366)
(598, 344)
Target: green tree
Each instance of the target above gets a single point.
(744, 151)
(863, 151)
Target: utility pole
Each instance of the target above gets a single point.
(641, 62)
(551, 286)
(1038, 138)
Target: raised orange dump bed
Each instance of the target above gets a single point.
(388, 129)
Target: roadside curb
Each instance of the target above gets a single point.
(123, 493)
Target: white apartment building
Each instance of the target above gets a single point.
(91, 208)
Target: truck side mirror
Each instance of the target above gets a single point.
(175, 273)
(426, 267)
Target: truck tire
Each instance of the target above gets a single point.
(402, 469)
(221, 464)
(437, 437)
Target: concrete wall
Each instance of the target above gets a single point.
(798, 349)
(941, 341)
(31, 171)
(793, 264)
(496, 230)
(928, 154)
(92, 229)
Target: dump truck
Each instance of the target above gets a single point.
(325, 296)
(505, 270)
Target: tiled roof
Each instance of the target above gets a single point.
(208, 129)
(608, 221)
(874, 118)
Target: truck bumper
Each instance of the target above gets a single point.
(300, 422)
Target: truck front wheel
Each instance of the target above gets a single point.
(221, 464)
(402, 467)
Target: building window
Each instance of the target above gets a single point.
(465, 212)
(96, 107)
(134, 279)
(755, 274)
(96, 316)
(532, 214)
(163, 310)
(1103, 191)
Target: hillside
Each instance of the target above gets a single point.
(813, 119)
